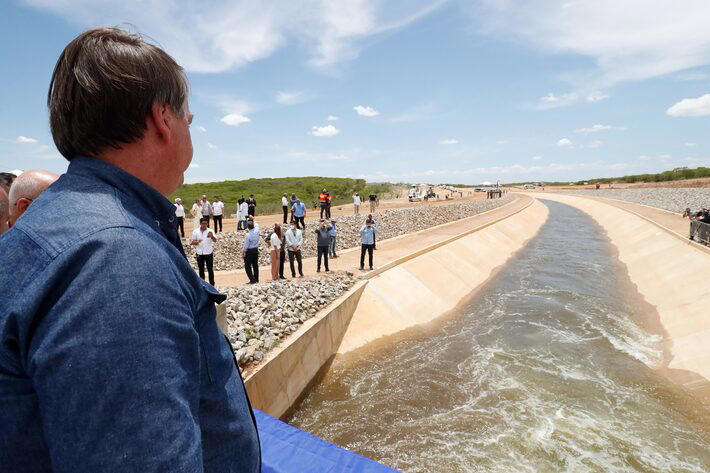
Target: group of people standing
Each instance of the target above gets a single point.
(297, 209)
(282, 243)
(201, 209)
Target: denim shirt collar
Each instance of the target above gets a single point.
(157, 210)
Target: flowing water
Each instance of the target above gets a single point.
(549, 368)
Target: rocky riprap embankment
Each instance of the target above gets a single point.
(391, 223)
(260, 315)
(672, 199)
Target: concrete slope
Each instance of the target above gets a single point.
(671, 274)
(431, 284)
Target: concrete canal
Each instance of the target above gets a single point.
(549, 368)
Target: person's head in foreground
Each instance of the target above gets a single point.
(203, 223)
(4, 210)
(25, 190)
(6, 179)
(110, 355)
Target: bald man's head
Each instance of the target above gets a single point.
(26, 188)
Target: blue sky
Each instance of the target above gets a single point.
(394, 90)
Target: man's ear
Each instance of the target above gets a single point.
(22, 204)
(161, 118)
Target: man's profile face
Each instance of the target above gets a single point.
(179, 149)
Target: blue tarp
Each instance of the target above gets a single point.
(285, 449)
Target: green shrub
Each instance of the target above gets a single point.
(268, 191)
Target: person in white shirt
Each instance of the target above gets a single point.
(195, 212)
(202, 239)
(217, 212)
(275, 251)
(284, 207)
(206, 209)
(180, 216)
(356, 203)
(294, 240)
(243, 212)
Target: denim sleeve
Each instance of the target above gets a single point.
(115, 361)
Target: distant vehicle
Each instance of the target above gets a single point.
(413, 195)
(479, 189)
(430, 193)
(529, 186)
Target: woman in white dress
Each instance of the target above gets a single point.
(275, 251)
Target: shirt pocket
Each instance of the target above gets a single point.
(216, 357)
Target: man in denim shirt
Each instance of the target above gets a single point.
(110, 356)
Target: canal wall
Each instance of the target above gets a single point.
(438, 277)
(670, 273)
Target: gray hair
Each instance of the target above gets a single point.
(30, 184)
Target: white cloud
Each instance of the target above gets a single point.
(194, 166)
(25, 140)
(201, 128)
(449, 141)
(630, 40)
(564, 142)
(594, 129)
(536, 158)
(691, 107)
(234, 119)
(290, 98)
(211, 146)
(595, 144)
(326, 130)
(596, 97)
(332, 118)
(218, 36)
(553, 101)
(365, 111)
(691, 145)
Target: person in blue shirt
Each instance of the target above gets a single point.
(110, 355)
(250, 251)
(299, 214)
(367, 240)
(332, 233)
